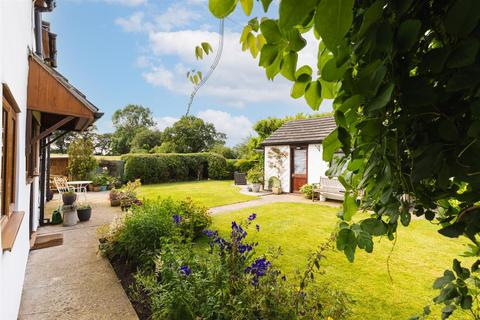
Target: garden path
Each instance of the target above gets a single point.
(73, 281)
(268, 199)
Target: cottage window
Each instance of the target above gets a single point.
(10, 221)
(8, 170)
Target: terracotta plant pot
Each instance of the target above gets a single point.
(69, 198)
(84, 214)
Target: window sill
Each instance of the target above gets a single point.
(10, 228)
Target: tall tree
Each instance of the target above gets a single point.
(128, 121)
(146, 139)
(192, 134)
(405, 79)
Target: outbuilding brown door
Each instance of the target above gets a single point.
(299, 167)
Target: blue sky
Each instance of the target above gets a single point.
(138, 51)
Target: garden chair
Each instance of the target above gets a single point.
(62, 185)
(328, 188)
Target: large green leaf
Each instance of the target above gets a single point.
(293, 13)
(375, 227)
(365, 241)
(303, 77)
(268, 55)
(462, 17)
(270, 31)
(330, 145)
(382, 99)
(247, 6)
(331, 72)
(465, 54)
(266, 4)
(347, 242)
(349, 206)
(289, 65)
(408, 33)
(313, 95)
(333, 19)
(295, 40)
(371, 16)
(221, 8)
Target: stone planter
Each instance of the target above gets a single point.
(277, 190)
(103, 188)
(69, 198)
(96, 188)
(256, 187)
(84, 214)
(69, 216)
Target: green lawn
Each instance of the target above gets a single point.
(210, 193)
(419, 256)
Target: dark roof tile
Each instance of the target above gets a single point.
(312, 130)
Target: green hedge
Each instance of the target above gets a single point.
(240, 165)
(167, 167)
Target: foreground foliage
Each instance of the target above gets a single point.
(405, 78)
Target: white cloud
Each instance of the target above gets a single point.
(236, 81)
(130, 3)
(164, 122)
(237, 128)
(134, 23)
(175, 16)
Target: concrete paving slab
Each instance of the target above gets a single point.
(73, 281)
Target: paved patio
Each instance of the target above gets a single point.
(73, 281)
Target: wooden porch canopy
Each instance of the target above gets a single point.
(62, 106)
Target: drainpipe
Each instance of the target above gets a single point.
(50, 5)
(38, 32)
(43, 165)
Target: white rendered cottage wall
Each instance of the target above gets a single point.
(16, 37)
(316, 165)
(271, 172)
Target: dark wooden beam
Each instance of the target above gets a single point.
(48, 131)
(52, 140)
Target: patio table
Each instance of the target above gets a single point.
(80, 187)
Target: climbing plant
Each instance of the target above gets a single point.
(404, 76)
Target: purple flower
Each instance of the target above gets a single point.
(258, 269)
(257, 227)
(252, 217)
(177, 219)
(284, 278)
(185, 270)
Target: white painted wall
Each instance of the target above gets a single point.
(269, 172)
(316, 165)
(16, 37)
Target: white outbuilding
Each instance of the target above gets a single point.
(293, 153)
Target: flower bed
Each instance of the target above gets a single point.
(175, 280)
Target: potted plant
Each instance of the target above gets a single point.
(255, 177)
(275, 185)
(307, 191)
(129, 194)
(84, 212)
(115, 197)
(56, 216)
(69, 198)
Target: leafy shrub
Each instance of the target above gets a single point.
(274, 182)
(234, 283)
(145, 229)
(243, 165)
(156, 168)
(81, 161)
(255, 175)
(307, 190)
